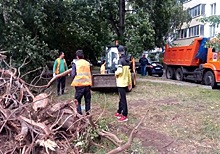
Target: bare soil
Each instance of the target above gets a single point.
(160, 141)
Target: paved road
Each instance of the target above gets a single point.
(181, 83)
(189, 82)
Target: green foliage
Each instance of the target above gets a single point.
(21, 30)
(214, 43)
(139, 32)
(91, 134)
(157, 20)
(38, 29)
(215, 19)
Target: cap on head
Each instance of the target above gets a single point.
(121, 49)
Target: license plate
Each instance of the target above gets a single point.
(157, 68)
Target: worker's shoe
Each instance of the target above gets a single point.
(123, 118)
(118, 115)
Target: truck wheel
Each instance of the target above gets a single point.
(179, 74)
(209, 79)
(169, 73)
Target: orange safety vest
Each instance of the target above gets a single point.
(83, 74)
(58, 65)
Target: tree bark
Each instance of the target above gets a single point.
(121, 18)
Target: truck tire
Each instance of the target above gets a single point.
(209, 79)
(169, 73)
(179, 74)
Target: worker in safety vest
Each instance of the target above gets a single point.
(60, 66)
(82, 81)
(102, 69)
(123, 81)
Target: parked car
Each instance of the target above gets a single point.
(154, 68)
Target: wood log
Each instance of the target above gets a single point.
(40, 101)
(23, 133)
(58, 76)
(130, 139)
(37, 124)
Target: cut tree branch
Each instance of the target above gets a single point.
(130, 139)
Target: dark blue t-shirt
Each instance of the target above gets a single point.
(143, 61)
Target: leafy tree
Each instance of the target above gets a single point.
(214, 42)
(139, 32)
(164, 16)
(214, 19)
(38, 28)
(21, 30)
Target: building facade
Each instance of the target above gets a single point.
(198, 9)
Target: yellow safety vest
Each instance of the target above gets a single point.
(58, 65)
(83, 74)
(102, 69)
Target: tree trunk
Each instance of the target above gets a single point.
(121, 19)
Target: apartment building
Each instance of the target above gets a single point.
(198, 9)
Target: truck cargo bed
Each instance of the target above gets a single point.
(184, 55)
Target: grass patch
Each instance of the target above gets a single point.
(182, 119)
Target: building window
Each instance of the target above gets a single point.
(196, 31)
(201, 30)
(212, 30)
(182, 33)
(202, 9)
(197, 10)
(213, 9)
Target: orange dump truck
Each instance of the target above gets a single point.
(194, 61)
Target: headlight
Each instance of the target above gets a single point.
(154, 64)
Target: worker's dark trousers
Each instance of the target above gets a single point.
(122, 108)
(86, 92)
(61, 82)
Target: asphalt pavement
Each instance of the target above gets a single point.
(163, 79)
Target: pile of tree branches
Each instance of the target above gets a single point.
(34, 123)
